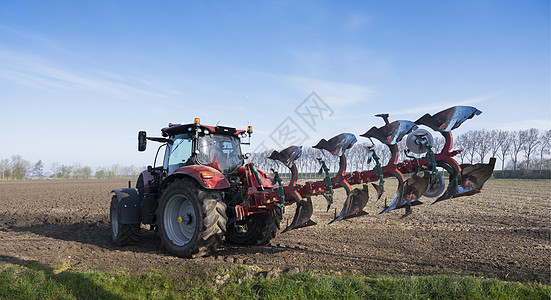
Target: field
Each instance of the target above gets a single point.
(501, 233)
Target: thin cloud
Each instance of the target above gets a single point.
(333, 93)
(436, 107)
(33, 71)
(39, 40)
(526, 124)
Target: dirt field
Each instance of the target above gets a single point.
(502, 233)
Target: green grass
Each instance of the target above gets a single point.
(32, 280)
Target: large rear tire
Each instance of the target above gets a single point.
(191, 219)
(122, 234)
(257, 230)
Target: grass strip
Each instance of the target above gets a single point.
(33, 280)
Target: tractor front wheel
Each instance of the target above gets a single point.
(122, 234)
(257, 229)
(191, 219)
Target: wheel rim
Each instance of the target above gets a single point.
(180, 220)
(114, 221)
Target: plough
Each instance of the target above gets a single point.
(204, 192)
(464, 180)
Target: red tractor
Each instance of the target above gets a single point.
(190, 200)
(204, 192)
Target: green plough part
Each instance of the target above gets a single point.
(328, 183)
(280, 191)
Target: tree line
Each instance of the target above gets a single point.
(515, 150)
(19, 168)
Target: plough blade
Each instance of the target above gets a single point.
(354, 204)
(448, 119)
(302, 216)
(337, 144)
(288, 155)
(452, 185)
(412, 189)
(469, 181)
(392, 133)
(329, 201)
(379, 190)
(472, 177)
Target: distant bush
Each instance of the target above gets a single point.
(523, 174)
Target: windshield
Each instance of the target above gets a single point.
(178, 152)
(220, 152)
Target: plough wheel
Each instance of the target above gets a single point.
(258, 229)
(192, 220)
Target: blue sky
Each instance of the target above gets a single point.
(79, 79)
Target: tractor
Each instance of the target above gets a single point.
(204, 192)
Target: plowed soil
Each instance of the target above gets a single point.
(502, 233)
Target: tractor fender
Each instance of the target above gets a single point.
(129, 205)
(208, 177)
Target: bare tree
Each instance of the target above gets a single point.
(545, 145)
(481, 144)
(37, 169)
(439, 142)
(383, 153)
(516, 147)
(460, 144)
(362, 160)
(499, 142)
(506, 142)
(401, 150)
(469, 144)
(494, 142)
(4, 167)
(54, 167)
(529, 143)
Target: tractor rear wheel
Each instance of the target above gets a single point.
(191, 219)
(122, 234)
(258, 229)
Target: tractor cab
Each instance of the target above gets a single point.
(221, 152)
(198, 150)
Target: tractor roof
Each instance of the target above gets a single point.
(173, 129)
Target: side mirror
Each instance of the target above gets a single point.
(247, 155)
(142, 141)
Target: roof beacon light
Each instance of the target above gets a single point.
(249, 130)
(197, 121)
